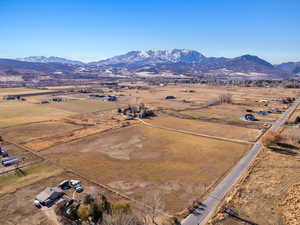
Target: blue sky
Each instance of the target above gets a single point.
(95, 29)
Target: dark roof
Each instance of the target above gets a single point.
(49, 193)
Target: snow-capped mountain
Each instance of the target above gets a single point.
(51, 59)
(152, 57)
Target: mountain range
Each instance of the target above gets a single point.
(51, 59)
(176, 61)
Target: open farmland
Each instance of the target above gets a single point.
(83, 106)
(138, 159)
(31, 131)
(90, 137)
(15, 112)
(19, 91)
(207, 128)
(230, 113)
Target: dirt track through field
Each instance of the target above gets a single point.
(196, 134)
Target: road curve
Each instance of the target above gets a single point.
(214, 198)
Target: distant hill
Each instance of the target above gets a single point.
(154, 63)
(290, 67)
(36, 66)
(154, 57)
(51, 59)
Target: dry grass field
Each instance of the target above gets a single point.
(88, 137)
(15, 112)
(32, 131)
(270, 194)
(15, 91)
(138, 159)
(83, 106)
(202, 127)
(10, 182)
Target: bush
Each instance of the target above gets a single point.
(88, 199)
(121, 207)
(271, 138)
(84, 212)
(297, 120)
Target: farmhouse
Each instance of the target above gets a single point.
(48, 196)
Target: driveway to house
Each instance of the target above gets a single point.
(206, 211)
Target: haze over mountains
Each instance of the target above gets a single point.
(51, 59)
(145, 63)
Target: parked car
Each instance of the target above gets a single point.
(65, 185)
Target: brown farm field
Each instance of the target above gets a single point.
(207, 128)
(32, 131)
(16, 91)
(17, 112)
(230, 113)
(89, 137)
(138, 159)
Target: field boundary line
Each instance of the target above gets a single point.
(196, 134)
(138, 203)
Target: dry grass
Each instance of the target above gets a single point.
(138, 159)
(29, 132)
(11, 182)
(265, 196)
(15, 91)
(214, 129)
(15, 112)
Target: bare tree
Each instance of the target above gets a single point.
(121, 219)
(271, 138)
(153, 206)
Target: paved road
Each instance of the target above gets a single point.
(203, 214)
(196, 134)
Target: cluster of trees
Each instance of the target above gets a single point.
(140, 111)
(222, 99)
(97, 212)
